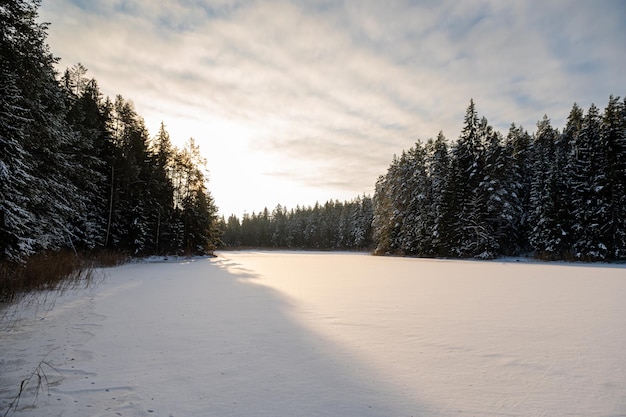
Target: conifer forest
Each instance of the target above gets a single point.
(556, 194)
(80, 172)
(334, 225)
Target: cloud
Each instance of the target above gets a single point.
(329, 91)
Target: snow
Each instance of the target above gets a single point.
(327, 334)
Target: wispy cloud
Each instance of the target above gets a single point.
(337, 88)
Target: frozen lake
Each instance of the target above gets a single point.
(329, 334)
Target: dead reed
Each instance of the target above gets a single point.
(46, 271)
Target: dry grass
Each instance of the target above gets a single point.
(40, 280)
(39, 378)
(108, 258)
(52, 271)
(43, 271)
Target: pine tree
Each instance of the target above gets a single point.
(74, 81)
(194, 205)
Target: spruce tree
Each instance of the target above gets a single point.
(500, 212)
(161, 193)
(546, 234)
(591, 191)
(415, 192)
(386, 222)
(468, 235)
(438, 163)
(613, 135)
(16, 172)
(519, 167)
(130, 171)
(39, 199)
(361, 215)
(86, 118)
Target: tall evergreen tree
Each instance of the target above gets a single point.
(86, 119)
(415, 192)
(360, 230)
(438, 163)
(193, 203)
(546, 233)
(469, 233)
(128, 228)
(385, 222)
(16, 173)
(500, 215)
(613, 136)
(39, 199)
(279, 228)
(591, 191)
(519, 168)
(563, 171)
(161, 212)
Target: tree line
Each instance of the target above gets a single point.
(557, 194)
(79, 171)
(333, 225)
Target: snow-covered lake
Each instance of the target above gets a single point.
(328, 334)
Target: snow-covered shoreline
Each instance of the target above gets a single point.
(269, 333)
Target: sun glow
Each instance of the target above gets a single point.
(229, 171)
(242, 175)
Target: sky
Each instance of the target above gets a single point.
(298, 102)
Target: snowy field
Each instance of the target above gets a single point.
(326, 334)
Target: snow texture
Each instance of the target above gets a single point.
(327, 334)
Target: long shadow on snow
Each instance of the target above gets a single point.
(262, 362)
(203, 338)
